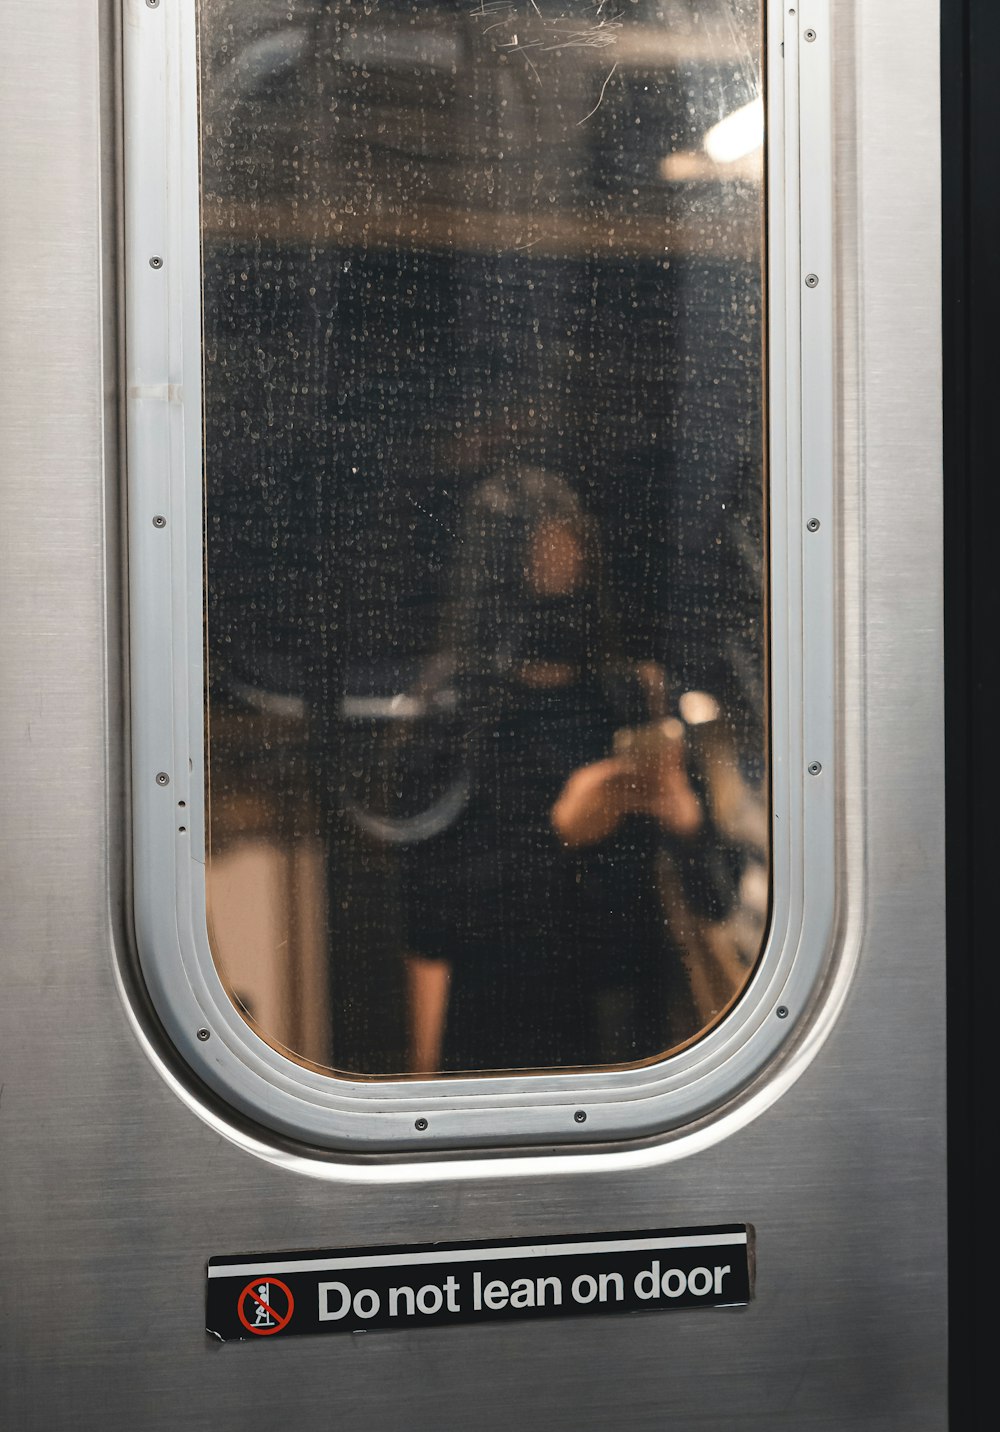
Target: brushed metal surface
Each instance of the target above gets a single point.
(113, 1193)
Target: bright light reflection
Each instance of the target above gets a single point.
(738, 134)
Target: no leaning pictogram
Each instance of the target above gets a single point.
(261, 1311)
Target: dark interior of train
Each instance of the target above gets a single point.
(485, 526)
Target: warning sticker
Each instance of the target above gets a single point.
(356, 1290)
(260, 1303)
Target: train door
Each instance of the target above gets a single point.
(475, 949)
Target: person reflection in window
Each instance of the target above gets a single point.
(538, 936)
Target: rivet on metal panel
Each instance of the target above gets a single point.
(811, 280)
(782, 1011)
(162, 779)
(204, 1034)
(580, 1116)
(420, 1124)
(153, 4)
(156, 262)
(159, 520)
(814, 768)
(809, 35)
(813, 524)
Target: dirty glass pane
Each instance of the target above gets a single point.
(484, 469)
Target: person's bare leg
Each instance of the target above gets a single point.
(428, 987)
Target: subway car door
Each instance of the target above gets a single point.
(473, 716)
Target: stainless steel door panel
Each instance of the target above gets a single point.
(114, 1192)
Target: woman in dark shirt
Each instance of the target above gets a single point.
(542, 897)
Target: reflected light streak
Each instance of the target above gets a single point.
(739, 134)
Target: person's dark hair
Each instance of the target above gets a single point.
(494, 622)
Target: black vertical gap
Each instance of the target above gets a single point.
(955, 263)
(970, 35)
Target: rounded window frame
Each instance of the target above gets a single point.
(165, 521)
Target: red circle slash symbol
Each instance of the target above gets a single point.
(259, 1313)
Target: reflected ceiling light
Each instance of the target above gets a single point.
(698, 707)
(738, 134)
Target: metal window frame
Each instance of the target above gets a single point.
(793, 997)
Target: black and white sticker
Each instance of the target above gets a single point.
(354, 1290)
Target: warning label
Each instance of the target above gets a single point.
(354, 1290)
(259, 1306)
